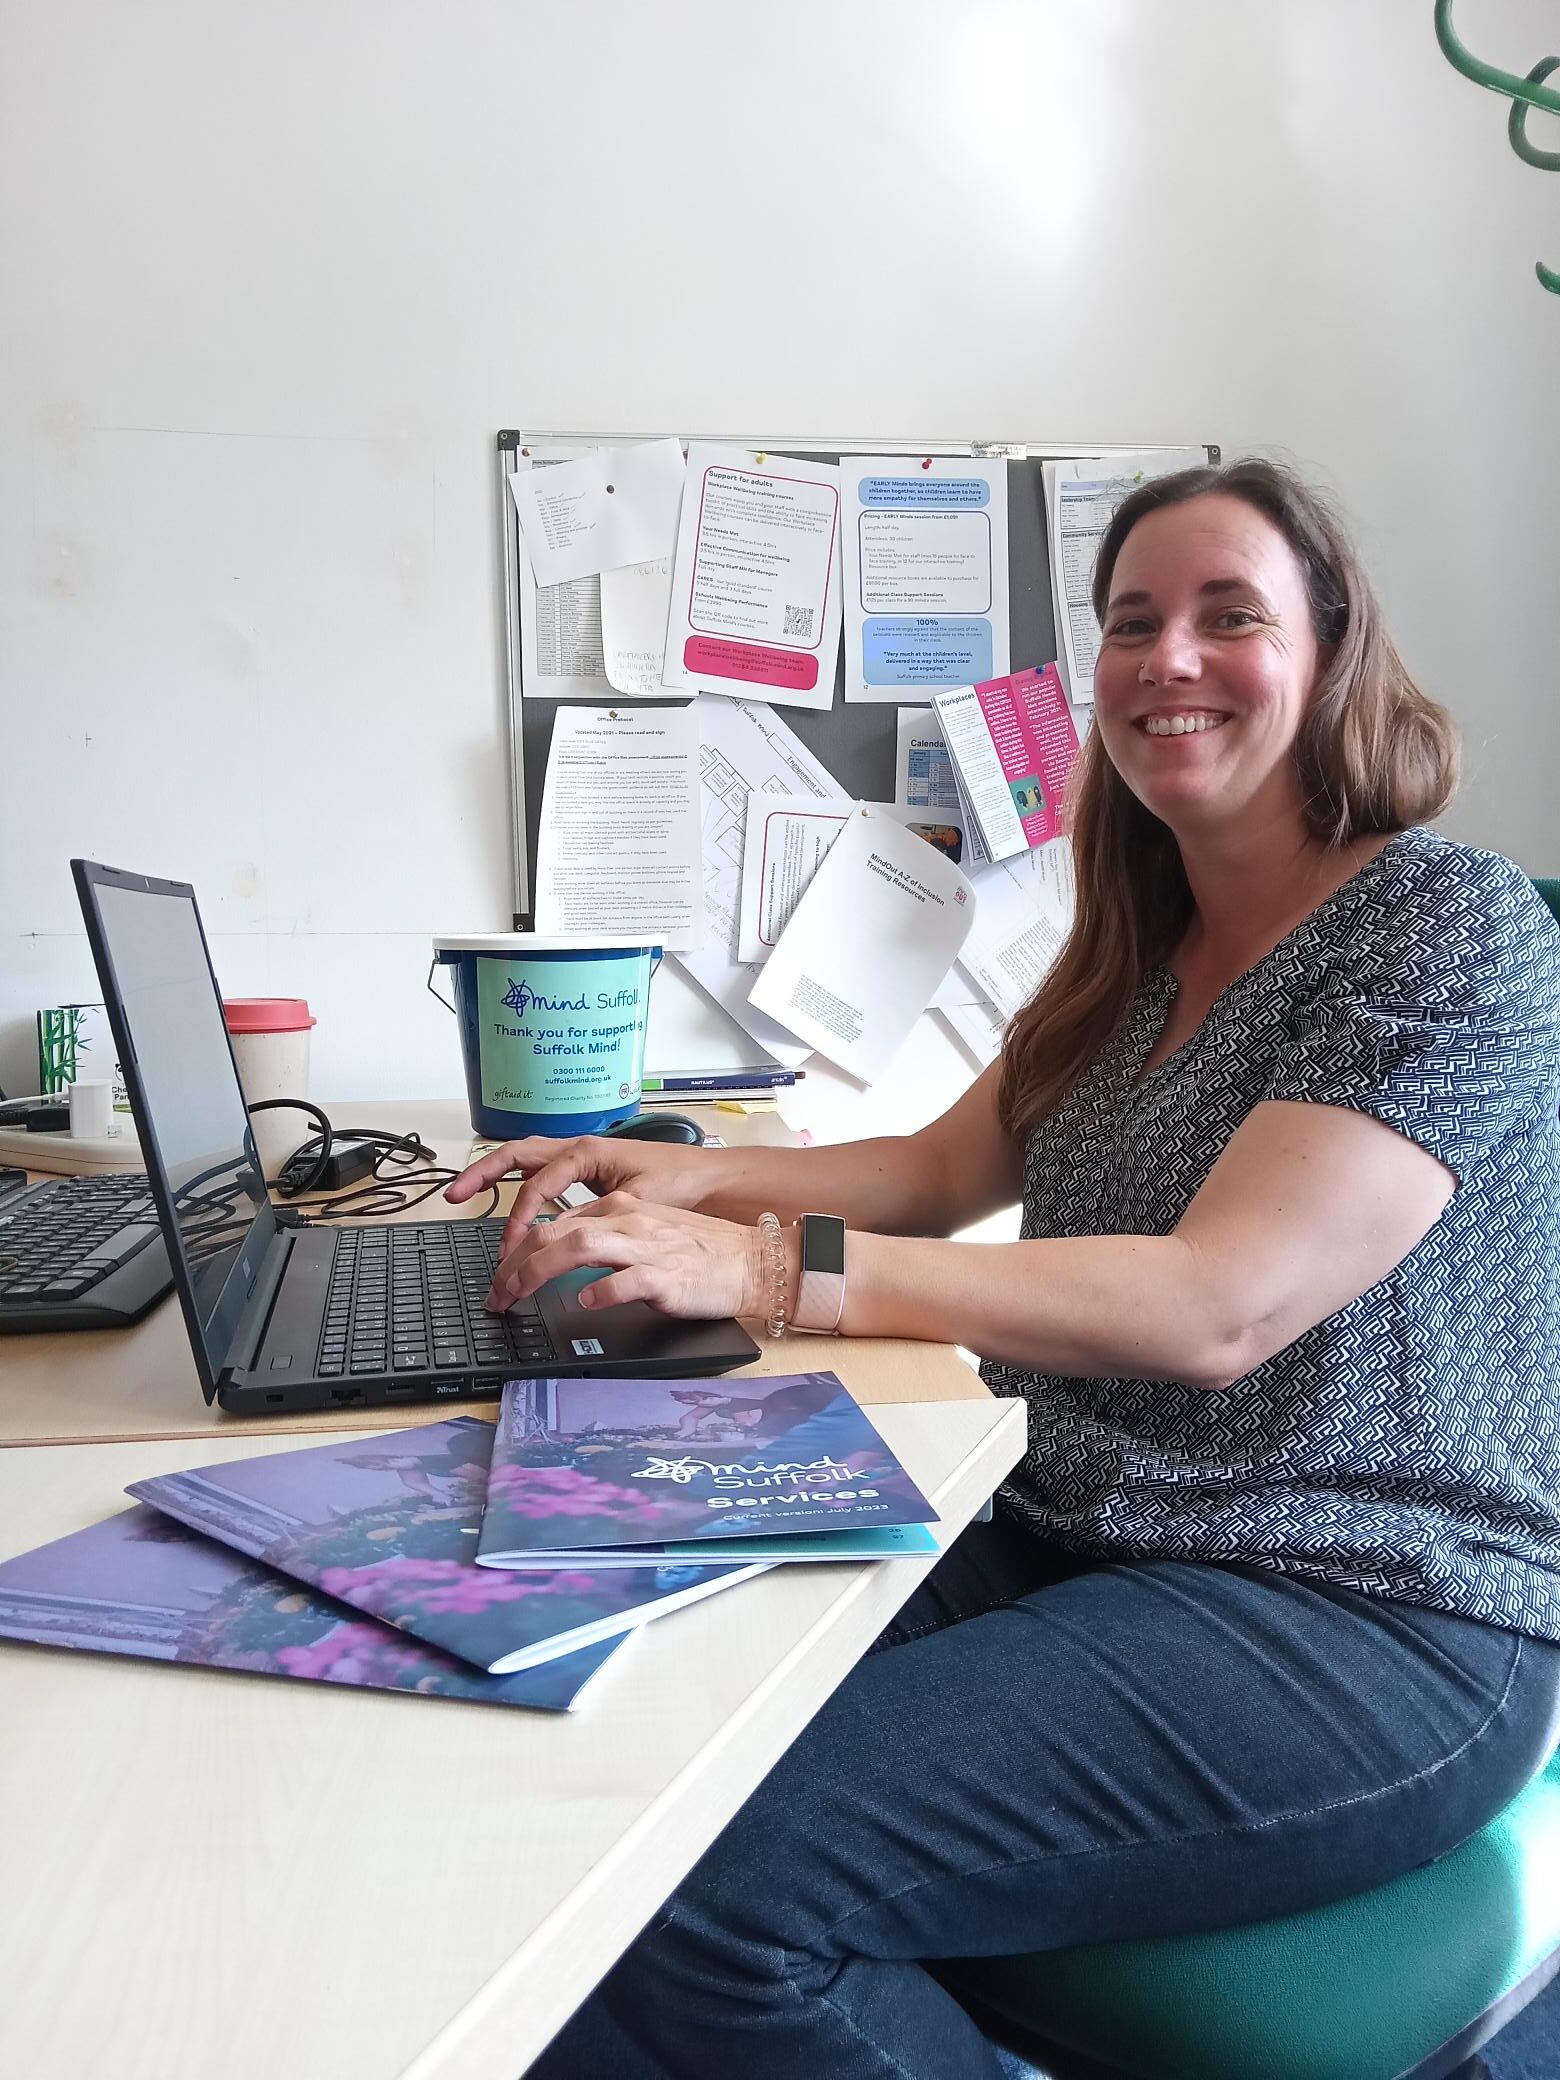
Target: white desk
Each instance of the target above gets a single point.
(211, 1876)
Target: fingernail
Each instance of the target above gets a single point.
(587, 1298)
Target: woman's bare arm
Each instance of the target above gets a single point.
(1308, 1207)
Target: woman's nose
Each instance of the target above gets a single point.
(1173, 657)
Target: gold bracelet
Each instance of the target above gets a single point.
(774, 1263)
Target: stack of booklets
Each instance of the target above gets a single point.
(458, 1560)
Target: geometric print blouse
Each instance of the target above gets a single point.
(1409, 1445)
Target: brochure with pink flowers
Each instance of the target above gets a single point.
(671, 1465)
(140, 1584)
(389, 1525)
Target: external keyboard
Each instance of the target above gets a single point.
(409, 1299)
(80, 1253)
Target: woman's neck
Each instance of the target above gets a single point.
(1250, 889)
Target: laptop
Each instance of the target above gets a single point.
(283, 1316)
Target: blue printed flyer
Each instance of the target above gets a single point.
(615, 1463)
(926, 573)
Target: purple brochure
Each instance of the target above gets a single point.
(389, 1525)
(625, 1462)
(143, 1585)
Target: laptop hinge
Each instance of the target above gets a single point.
(256, 1317)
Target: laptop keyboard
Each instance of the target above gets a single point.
(409, 1299)
(68, 1235)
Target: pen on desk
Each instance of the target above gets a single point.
(725, 1080)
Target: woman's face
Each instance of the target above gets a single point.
(1207, 665)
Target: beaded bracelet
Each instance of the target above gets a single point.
(774, 1264)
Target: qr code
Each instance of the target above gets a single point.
(799, 621)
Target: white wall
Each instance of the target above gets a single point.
(273, 276)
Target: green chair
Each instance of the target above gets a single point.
(1402, 1983)
(1407, 1980)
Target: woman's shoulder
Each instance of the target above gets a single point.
(1433, 907)
(1420, 865)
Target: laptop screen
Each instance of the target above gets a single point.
(160, 972)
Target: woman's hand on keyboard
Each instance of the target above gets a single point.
(682, 1263)
(663, 1172)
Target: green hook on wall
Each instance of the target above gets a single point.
(1524, 94)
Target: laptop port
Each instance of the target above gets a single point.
(273, 1397)
(340, 1396)
(400, 1393)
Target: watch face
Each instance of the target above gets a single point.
(823, 1243)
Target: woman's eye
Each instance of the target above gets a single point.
(1234, 617)
(1129, 626)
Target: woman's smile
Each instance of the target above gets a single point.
(1181, 722)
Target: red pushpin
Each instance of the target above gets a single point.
(927, 463)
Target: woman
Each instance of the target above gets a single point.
(1269, 1612)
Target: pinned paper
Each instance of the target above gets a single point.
(610, 508)
(1024, 911)
(868, 944)
(617, 847)
(1013, 744)
(756, 581)
(745, 752)
(634, 605)
(1081, 497)
(786, 841)
(926, 573)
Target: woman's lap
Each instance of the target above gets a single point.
(1108, 1752)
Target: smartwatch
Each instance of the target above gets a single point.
(820, 1297)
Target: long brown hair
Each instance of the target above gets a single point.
(1373, 755)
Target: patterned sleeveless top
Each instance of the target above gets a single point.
(1409, 1445)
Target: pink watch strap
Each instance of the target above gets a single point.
(820, 1295)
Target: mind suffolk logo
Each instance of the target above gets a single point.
(522, 998)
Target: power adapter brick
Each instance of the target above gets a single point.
(348, 1163)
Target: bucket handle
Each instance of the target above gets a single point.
(437, 995)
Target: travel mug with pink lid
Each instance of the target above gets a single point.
(271, 1047)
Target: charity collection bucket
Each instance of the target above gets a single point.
(270, 1037)
(552, 1028)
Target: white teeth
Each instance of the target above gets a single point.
(1181, 725)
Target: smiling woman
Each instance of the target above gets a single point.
(1271, 1609)
(1230, 601)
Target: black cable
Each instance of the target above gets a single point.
(387, 1194)
(324, 1138)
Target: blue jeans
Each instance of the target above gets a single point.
(1046, 1751)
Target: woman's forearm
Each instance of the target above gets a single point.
(881, 1185)
(954, 1171)
(1136, 1306)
